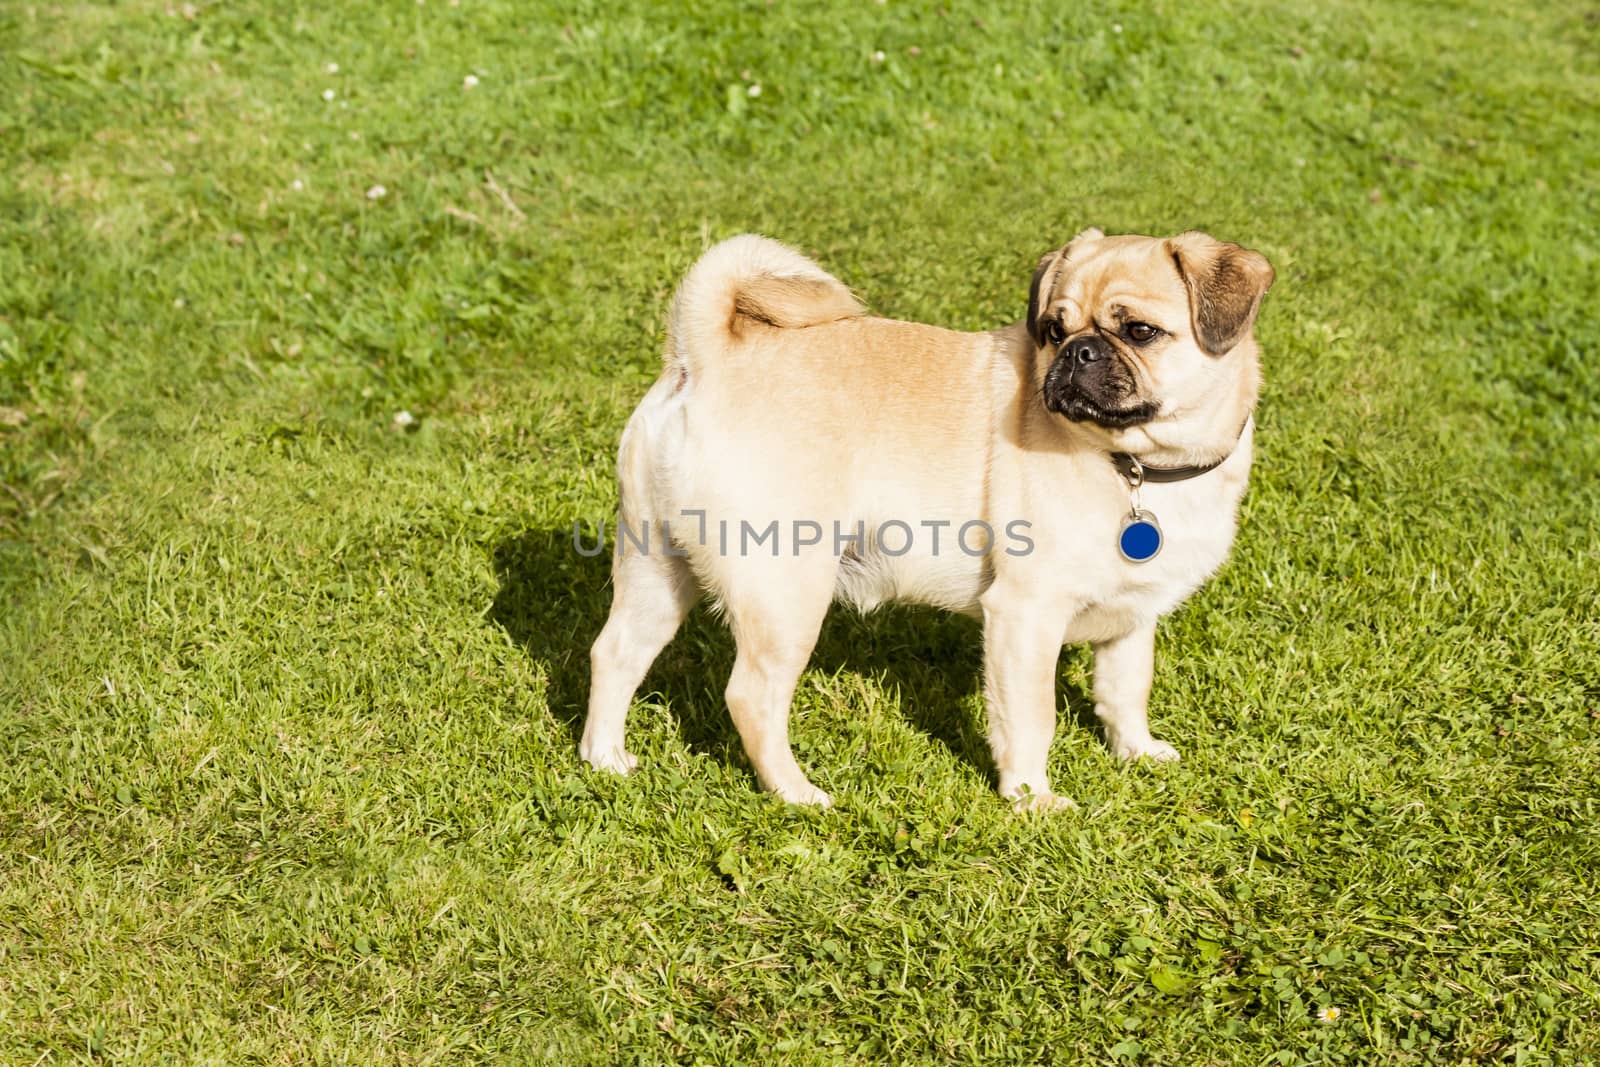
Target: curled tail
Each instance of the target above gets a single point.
(745, 281)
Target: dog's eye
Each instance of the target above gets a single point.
(1056, 332)
(1141, 332)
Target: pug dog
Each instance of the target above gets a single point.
(1069, 478)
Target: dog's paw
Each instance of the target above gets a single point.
(1145, 748)
(615, 759)
(806, 795)
(1041, 802)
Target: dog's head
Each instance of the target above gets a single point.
(1148, 339)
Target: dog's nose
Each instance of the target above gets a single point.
(1087, 349)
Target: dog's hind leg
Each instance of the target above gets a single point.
(653, 587)
(653, 592)
(775, 632)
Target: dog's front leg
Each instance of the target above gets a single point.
(1021, 647)
(1122, 671)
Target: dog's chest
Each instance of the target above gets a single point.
(1197, 523)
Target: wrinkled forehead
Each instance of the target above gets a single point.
(1122, 277)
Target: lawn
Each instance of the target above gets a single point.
(318, 327)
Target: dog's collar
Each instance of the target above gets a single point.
(1136, 471)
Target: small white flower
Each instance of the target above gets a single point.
(469, 82)
(877, 57)
(178, 302)
(332, 68)
(328, 94)
(403, 419)
(297, 185)
(754, 90)
(1116, 27)
(1328, 1014)
(378, 192)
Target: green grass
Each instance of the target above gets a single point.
(289, 696)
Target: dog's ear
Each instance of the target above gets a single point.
(1226, 284)
(1044, 281)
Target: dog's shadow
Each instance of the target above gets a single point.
(553, 601)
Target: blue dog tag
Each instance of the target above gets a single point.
(1140, 539)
